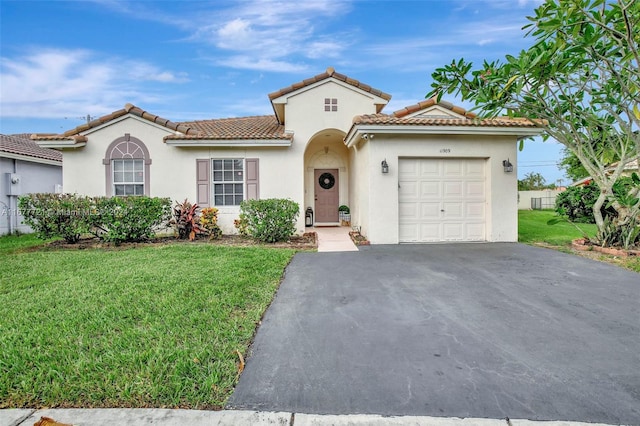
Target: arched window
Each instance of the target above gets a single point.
(127, 164)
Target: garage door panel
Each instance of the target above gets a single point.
(475, 211)
(429, 232)
(475, 232)
(453, 231)
(430, 211)
(453, 210)
(474, 189)
(442, 200)
(430, 189)
(409, 190)
(409, 211)
(452, 189)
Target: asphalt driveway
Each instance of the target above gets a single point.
(466, 330)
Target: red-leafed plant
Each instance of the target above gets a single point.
(186, 220)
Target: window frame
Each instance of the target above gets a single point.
(122, 148)
(234, 193)
(124, 183)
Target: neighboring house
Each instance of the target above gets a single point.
(630, 167)
(25, 167)
(430, 172)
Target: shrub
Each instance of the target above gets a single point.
(270, 220)
(344, 209)
(186, 220)
(577, 203)
(209, 221)
(242, 224)
(130, 219)
(58, 215)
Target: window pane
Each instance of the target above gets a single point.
(117, 165)
(128, 165)
(217, 164)
(138, 165)
(219, 200)
(238, 188)
(238, 176)
(238, 164)
(118, 177)
(228, 188)
(139, 177)
(128, 177)
(119, 190)
(228, 200)
(228, 176)
(238, 200)
(139, 189)
(217, 176)
(228, 164)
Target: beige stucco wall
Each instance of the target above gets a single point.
(379, 216)
(173, 169)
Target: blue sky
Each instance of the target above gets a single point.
(64, 60)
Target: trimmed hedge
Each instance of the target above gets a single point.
(271, 219)
(130, 219)
(115, 219)
(58, 215)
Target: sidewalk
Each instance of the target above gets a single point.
(334, 238)
(166, 417)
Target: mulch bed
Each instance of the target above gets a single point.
(307, 241)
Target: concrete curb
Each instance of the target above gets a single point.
(169, 417)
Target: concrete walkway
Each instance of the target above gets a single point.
(165, 417)
(334, 238)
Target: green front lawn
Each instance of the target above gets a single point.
(533, 228)
(152, 326)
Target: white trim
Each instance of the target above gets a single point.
(248, 143)
(60, 144)
(282, 99)
(522, 132)
(124, 117)
(30, 159)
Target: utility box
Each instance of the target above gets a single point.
(13, 183)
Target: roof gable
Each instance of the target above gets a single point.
(431, 108)
(279, 98)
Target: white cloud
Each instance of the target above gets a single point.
(71, 82)
(261, 64)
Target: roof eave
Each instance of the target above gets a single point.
(519, 132)
(30, 158)
(58, 144)
(227, 143)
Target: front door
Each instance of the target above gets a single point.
(326, 195)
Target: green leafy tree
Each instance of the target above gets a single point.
(533, 181)
(579, 82)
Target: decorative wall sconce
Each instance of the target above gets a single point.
(508, 167)
(385, 166)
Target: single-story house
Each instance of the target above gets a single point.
(629, 168)
(431, 172)
(24, 167)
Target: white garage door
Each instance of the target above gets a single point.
(441, 200)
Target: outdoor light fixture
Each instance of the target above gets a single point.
(385, 166)
(508, 167)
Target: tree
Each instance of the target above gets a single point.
(533, 182)
(579, 82)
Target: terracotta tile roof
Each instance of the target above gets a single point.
(21, 144)
(391, 120)
(431, 102)
(128, 109)
(257, 127)
(330, 72)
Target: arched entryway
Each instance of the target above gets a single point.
(326, 183)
